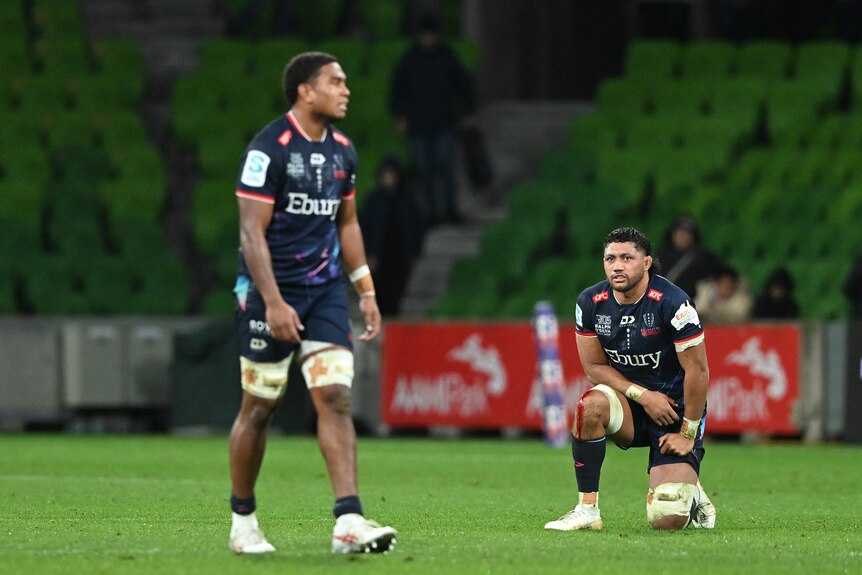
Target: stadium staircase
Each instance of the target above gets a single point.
(518, 135)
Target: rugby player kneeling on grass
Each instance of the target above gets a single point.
(642, 346)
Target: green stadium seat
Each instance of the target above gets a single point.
(621, 99)
(107, 285)
(764, 60)
(318, 20)
(658, 131)
(74, 130)
(101, 94)
(652, 60)
(590, 132)
(272, 55)
(382, 18)
(219, 302)
(825, 61)
(163, 287)
(16, 62)
(682, 98)
(708, 60)
(627, 169)
(351, 54)
(51, 287)
(793, 102)
(63, 58)
(229, 58)
(383, 56)
(43, 94)
(739, 99)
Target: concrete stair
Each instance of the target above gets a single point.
(517, 135)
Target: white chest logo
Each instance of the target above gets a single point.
(317, 159)
(254, 171)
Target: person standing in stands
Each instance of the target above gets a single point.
(685, 259)
(298, 235)
(431, 94)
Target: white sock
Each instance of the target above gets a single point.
(249, 521)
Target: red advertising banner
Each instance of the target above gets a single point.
(483, 375)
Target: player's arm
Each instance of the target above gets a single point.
(353, 258)
(693, 362)
(598, 370)
(254, 218)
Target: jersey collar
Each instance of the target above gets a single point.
(292, 119)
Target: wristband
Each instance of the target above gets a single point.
(371, 293)
(634, 392)
(362, 281)
(359, 273)
(689, 428)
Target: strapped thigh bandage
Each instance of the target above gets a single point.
(615, 422)
(324, 363)
(671, 499)
(265, 380)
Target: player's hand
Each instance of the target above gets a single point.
(675, 444)
(284, 322)
(371, 316)
(659, 407)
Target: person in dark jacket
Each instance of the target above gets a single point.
(776, 300)
(684, 260)
(393, 234)
(431, 95)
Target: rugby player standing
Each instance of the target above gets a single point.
(298, 232)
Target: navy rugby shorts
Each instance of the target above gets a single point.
(322, 310)
(648, 432)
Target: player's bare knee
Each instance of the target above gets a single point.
(256, 411)
(591, 415)
(336, 398)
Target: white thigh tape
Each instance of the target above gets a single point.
(670, 499)
(265, 380)
(326, 364)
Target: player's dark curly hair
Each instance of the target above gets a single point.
(641, 242)
(302, 69)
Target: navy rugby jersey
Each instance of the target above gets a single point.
(642, 339)
(306, 182)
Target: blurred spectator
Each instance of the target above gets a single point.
(431, 94)
(392, 230)
(776, 300)
(853, 287)
(684, 260)
(724, 298)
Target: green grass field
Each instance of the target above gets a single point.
(84, 504)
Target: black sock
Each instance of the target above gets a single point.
(242, 506)
(588, 457)
(349, 504)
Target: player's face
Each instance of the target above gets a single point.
(330, 92)
(626, 267)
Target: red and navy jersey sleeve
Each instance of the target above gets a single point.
(680, 314)
(585, 317)
(260, 176)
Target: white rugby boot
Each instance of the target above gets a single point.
(246, 536)
(704, 514)
(353, 533)
(583, 516)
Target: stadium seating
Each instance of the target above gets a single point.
(758, 142)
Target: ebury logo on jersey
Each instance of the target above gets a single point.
(634, 359)
(302, 205)
(601, 296)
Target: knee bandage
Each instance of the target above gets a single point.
(265, 380)
(671, 499)
(326, 364)
(615, 422)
